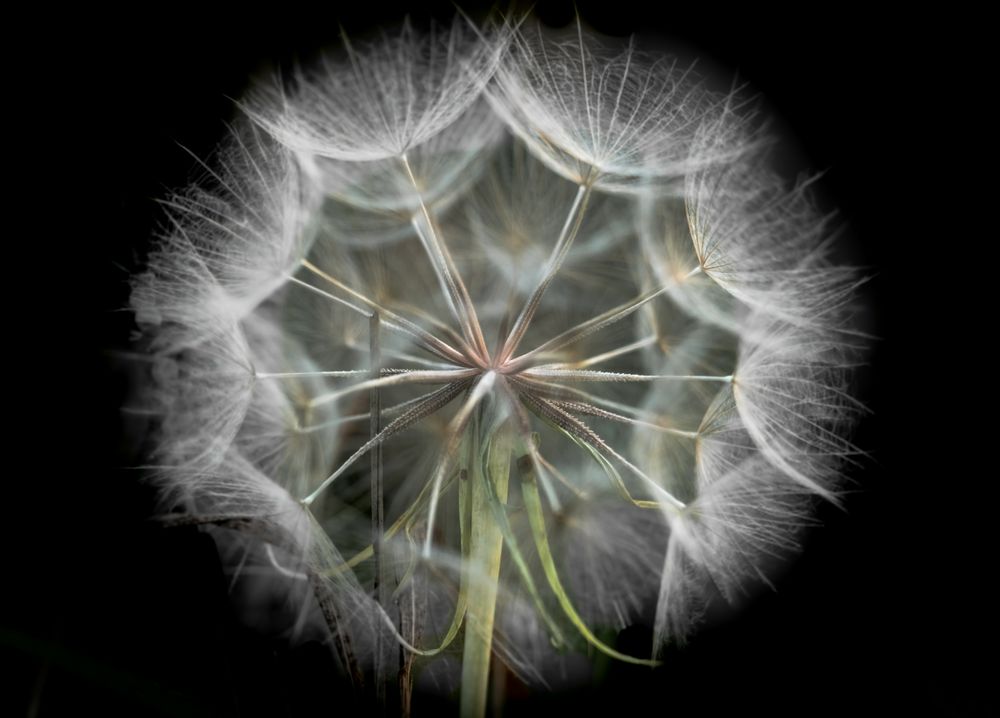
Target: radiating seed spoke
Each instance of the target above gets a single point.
(589, 375)
(570, 424)
(456, 293)
(436, 401)
(565, 241)
(415, 376)
(585, 329)
(454, 434)
(389, 318)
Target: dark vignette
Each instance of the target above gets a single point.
(882, 613)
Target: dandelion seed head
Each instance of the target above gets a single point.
(513, 337)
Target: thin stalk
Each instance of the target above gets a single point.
(327, 295)
(569, 424)
(591, 410)
(569, 231)
(585, 329)
(612, 376)
(597, 359)
(405, 519)
(464, 525)
(380, 587)
(562, 392)
(414, 376)
(300, 374)
(389, 318)
(536, 518)
(452, 287)
(434, 401)
(455, 432)
(485, 552)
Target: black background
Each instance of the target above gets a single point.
(889, 607)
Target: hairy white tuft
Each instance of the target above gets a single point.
(230, 240)
(582, 105)
(383, 98)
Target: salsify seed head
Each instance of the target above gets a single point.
(439, 253)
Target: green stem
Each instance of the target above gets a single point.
(536, 518)
(485, 552)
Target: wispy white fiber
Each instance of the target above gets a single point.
(592, 110)
(381, 98)
(229, 240)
